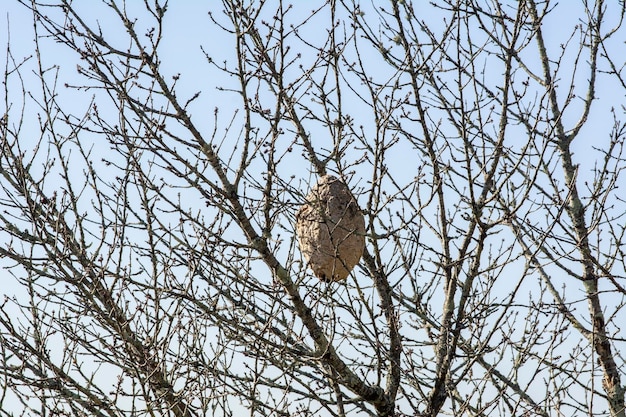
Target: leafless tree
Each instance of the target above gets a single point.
(150, 180)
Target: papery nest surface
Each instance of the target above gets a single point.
(331, 229)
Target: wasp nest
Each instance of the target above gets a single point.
(331, 230)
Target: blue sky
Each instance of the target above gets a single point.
(187, 29)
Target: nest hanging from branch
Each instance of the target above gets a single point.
(331, 230)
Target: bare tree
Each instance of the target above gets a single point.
(148, 209)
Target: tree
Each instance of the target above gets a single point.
(149, 195)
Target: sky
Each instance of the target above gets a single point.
(187, 28)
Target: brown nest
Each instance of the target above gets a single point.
(331, 230)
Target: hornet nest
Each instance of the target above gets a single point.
(330, 229)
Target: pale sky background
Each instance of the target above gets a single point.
(188, 27)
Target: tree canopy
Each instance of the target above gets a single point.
(154, 156)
